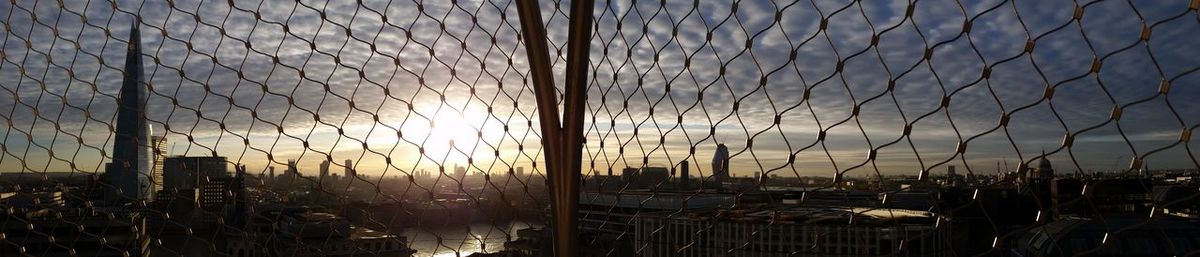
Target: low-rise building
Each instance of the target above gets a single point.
(304, 232)
(606, 219)
(792, 231)
(1112, 236)
(73, 231)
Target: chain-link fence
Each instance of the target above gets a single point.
(650, 128)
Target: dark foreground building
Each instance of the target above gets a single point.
(1113, 236)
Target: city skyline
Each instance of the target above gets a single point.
(929, 128)
(416, 84)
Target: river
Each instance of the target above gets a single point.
(464, 240)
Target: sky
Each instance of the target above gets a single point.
(793, 88)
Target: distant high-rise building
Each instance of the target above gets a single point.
(290, 173)
(237, 216)
(198, 191)
(720, 164)
(223, 195)
(160, 153)
(271, 171)
(952, 178)
(460, 172)
(217, 194)
(684, 175)
(324, 171)
(128, 176)
(292, 168)
(350, 172)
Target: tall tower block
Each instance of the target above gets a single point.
(128, 176)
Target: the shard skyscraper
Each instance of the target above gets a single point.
(128, 176)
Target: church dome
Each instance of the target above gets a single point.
(1044, 164)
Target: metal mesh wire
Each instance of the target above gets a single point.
(850, 117)
(711, 128)
(420, 108)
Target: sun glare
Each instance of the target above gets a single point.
(450, 136)
(454, 129)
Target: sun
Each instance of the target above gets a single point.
(440, 136)
(454, 129)
(451, 136)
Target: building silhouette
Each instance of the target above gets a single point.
(324, 171)
(160, 154)
(720, 165)
(791, 231)
(185, 173)
(128, 175)
(1044, 172)
(195, 195)
(684, 175)
(460, 173)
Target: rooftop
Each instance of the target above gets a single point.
(814, 215)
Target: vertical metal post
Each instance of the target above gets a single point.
(567, 190)
(562, 145)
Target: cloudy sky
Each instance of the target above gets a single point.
(809, 88)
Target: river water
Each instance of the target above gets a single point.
(464, 240)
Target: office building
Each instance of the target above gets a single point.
(953, 179)
(720, 165)
(197, 192)
(292, 168)
(184, 173)
(460, 173)
(324, 171)
(160, 154)
(684, 175)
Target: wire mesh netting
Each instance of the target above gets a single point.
(349, 129)
(710, 128)
(834, 128)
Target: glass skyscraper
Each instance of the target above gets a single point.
(128, 176)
